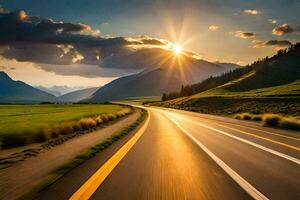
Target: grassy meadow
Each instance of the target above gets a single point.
(25, 124)
(286, 90)
(141, 100)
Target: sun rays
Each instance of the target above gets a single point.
(177, 49)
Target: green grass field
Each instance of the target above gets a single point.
(287, 90)
(28, 121)
(141, 100)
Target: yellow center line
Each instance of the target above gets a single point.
(91, 185)
(261, 137)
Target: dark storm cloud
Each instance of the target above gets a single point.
(30, 38)
(18, 26)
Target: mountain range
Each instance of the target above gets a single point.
(19, 92)
(77, 95)
(160, 77)
(164, 72)
(58, 90)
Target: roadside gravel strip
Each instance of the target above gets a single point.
(24, 176)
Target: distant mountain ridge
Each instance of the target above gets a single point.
(19, 92)
(49, 90)
(168, 76)
(59, 90)
(77, 95)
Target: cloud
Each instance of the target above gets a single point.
(252, 11)
(276, 44)
(273, 21)
(245, 35)
(85, 70)
(30, 38)
(146, 40)
(282, 29)
(18, 26)
(213, 28)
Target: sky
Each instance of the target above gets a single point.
(236, 31)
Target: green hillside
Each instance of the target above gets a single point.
(268, 85)
(259, 79)
(231, 89)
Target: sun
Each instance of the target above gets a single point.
(177, 49)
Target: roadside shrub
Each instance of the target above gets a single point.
(289, 123)
(13, 140)
(77, 127)
(120, 114)
(111, 117)
(48, 133)
(54, 134)
(257, 118)
(271, 119)
(123, 112)
(104, 118)
(237, 116)
(65, 128)
(39, 137)
(86, 123)
(98, 120)
(246, 116)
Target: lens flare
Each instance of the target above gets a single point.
(177, 49)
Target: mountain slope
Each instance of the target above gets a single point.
(49, 90)
(271, 85)
(77, 95)
(276, 76)
(19, 92)
(230, 66)
(279, 70)
(167, 76)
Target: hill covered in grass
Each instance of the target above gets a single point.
(276, 76)
(268, 85)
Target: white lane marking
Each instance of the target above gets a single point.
(182, 112)
(290, 158)
(263, 131)
(252, 191)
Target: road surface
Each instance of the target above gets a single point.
(184, 155)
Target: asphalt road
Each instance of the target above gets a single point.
(183, 155)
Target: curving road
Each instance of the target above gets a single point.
(184, 155)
